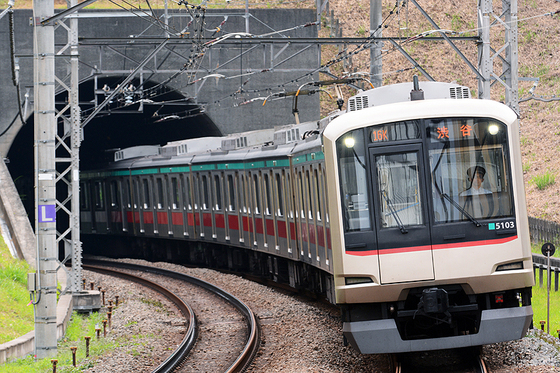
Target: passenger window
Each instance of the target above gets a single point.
(187, 200)
(309, 198)
(267, 195)
(257, 194)
(242, 199)
(175, 194)
(84, 196)
(205, 195)
(126, 195)
(160, 202)
(231, 193)
(318, 194)
(279, 193)
(218, 193)
(146, 194)
(196, 193)
(136, 194)
(98, 195)
(114, 194)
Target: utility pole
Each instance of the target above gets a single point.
(45, 178)
(375, 19)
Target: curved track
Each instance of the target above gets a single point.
(253, 340)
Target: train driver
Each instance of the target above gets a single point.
(475, 176)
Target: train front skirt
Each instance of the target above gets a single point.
(382, 336)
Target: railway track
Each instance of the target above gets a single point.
(207, 323)
(466, 360)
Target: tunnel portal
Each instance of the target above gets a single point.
(132, 118)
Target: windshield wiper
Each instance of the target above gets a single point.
(463, 211)
(394, 213)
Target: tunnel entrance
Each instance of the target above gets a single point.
(132, 118)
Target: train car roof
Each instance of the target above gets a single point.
(420, 109)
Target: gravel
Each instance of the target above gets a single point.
(298, 335)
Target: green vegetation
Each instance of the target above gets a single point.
(16, 317)
(539, 306)
(543, 181)
(79, 327)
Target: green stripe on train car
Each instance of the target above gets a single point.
(231, 166)
(147, 171)
(318, 155)
(257, 164)
(278, 163)
(203, 167)
(175, 169)
(300, 159)
(308, 157)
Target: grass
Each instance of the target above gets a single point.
(543, 181)
(79, 327)
(16, 317)
(539, 306)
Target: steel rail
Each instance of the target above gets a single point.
(189, 339)
(253, 340)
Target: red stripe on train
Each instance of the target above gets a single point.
(220, 221)
(162, 218)
(148, 217)
(233, 222)
(177, 218)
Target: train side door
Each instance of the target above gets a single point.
(401, 220)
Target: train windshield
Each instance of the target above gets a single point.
(353, 181)
(469, 171)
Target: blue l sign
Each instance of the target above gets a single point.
(47, 213)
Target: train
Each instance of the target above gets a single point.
(406, 209)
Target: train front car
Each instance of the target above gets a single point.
(429, 224)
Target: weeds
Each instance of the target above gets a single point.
(543, 181)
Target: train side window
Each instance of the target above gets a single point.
(318, 193)
(267, 196)
(300, 191)
(98, 195)
(218, 192)
(146, 189)
(279, 194)
(309, 196)
(196, 192)
(84, 196)
(257, 194)
(187, 200)
(325, 195)
(175, 194)
(126, 194)
(289, 200)
(231, 192)
(160, 197)
(136, 195)
(354, 194)
(113, 190)
(242, 199)
(204, 192)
